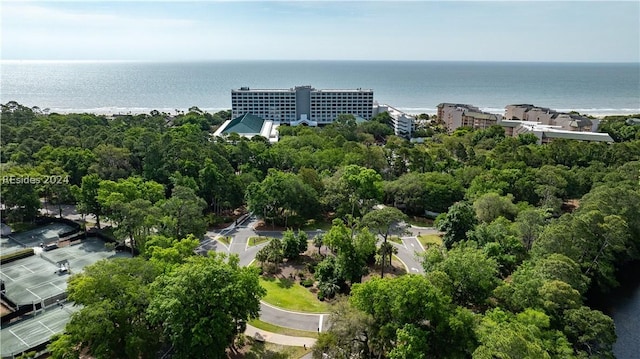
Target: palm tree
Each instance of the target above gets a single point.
(318, 241)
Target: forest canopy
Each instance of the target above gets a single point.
(529, 230)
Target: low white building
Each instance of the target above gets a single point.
(547, 133)
(402, 123)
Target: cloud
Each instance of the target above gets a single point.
(405, 30)
(30, 30)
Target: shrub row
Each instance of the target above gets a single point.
(23, 253)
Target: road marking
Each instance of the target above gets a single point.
(412, 245)
(415, 269)
(11, 279)
(46, 327)
(28, 290)
(20, 339)
(320, 323)
(27, 268)
(56, 286)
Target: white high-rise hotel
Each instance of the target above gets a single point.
(302, 104)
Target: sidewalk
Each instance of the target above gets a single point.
(279, 338)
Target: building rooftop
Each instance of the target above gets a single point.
(547, 131)
(481, 115)
(246, 123)
(293, 89)
(576, 135)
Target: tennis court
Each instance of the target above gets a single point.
(36, 330)
(83, 254)
(32, 280)
(38, 278)
(32, 238)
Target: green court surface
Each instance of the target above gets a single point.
(33, 238)
(37, 279)
(32, 280)
(36, 330)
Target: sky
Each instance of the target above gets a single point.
(540, 31)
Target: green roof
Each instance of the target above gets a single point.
(246, 123)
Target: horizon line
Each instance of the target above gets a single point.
(17, 61)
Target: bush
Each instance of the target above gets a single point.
(271, 268)
(23, 253)
(241, 340)
(310, 267)
(307, 283)
(321, 296)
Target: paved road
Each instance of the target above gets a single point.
(296, 320)
(408, 252)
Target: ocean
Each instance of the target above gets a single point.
(412, 86)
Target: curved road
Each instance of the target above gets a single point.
(408, 253)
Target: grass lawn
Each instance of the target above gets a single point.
(430, 239)
(225, 240)
(254, 241)
(395, 239)
(314, 224)
(288, 294)
(282, 330)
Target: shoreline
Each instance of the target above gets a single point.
(122, 111)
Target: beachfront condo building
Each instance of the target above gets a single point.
(456, 115)
(549, 117)
(302, 104)
(546, 124)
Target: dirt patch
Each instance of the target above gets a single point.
(570, 205)
(250, 348)
(4, 309)
(263, 226)
(422, 221)
(397, 269)
(228, 218)
(292, 269)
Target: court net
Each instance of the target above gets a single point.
(48, 259)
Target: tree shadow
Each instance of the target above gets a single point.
(285, 283)
(260, 352)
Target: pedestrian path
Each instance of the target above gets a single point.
(279, 338)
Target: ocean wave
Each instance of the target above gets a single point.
(117, 110)
(129, 110)
(417, 110)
